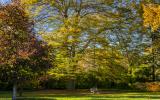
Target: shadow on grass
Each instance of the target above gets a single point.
(76, 95)
(36, 98)
(128, 97)
(91, 97)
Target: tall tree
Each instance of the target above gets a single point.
(151, 18)
(22, 54)
(75, 29)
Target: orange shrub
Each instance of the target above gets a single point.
(148, 86)
(153, 86)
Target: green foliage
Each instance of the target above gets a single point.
(87, 41)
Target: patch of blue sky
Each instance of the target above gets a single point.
(5, 1)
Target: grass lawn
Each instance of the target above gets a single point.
(83, 95)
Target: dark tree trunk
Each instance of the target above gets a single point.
(71, 84)
(20, 90)
(153, 73)
(153, 56)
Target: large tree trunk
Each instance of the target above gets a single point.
(153, 36)
(14, 91)
(153, 74)
(20, 87)
(20, 90)
(72, 81)
(71, 84)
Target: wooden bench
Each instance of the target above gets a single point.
(94, 90)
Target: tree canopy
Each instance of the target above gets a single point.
(80, 43)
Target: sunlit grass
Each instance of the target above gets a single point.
(83, 95)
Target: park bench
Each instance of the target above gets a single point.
(94, 90)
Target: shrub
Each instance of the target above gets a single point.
(148, 86)
(153, 86)
(139, 86)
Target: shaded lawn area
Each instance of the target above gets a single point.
(83, 95)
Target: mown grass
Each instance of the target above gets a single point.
(83, 95)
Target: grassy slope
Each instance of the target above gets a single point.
(84, 95)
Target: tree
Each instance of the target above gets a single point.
(151, 18)
(76, 27)
(23, 56)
